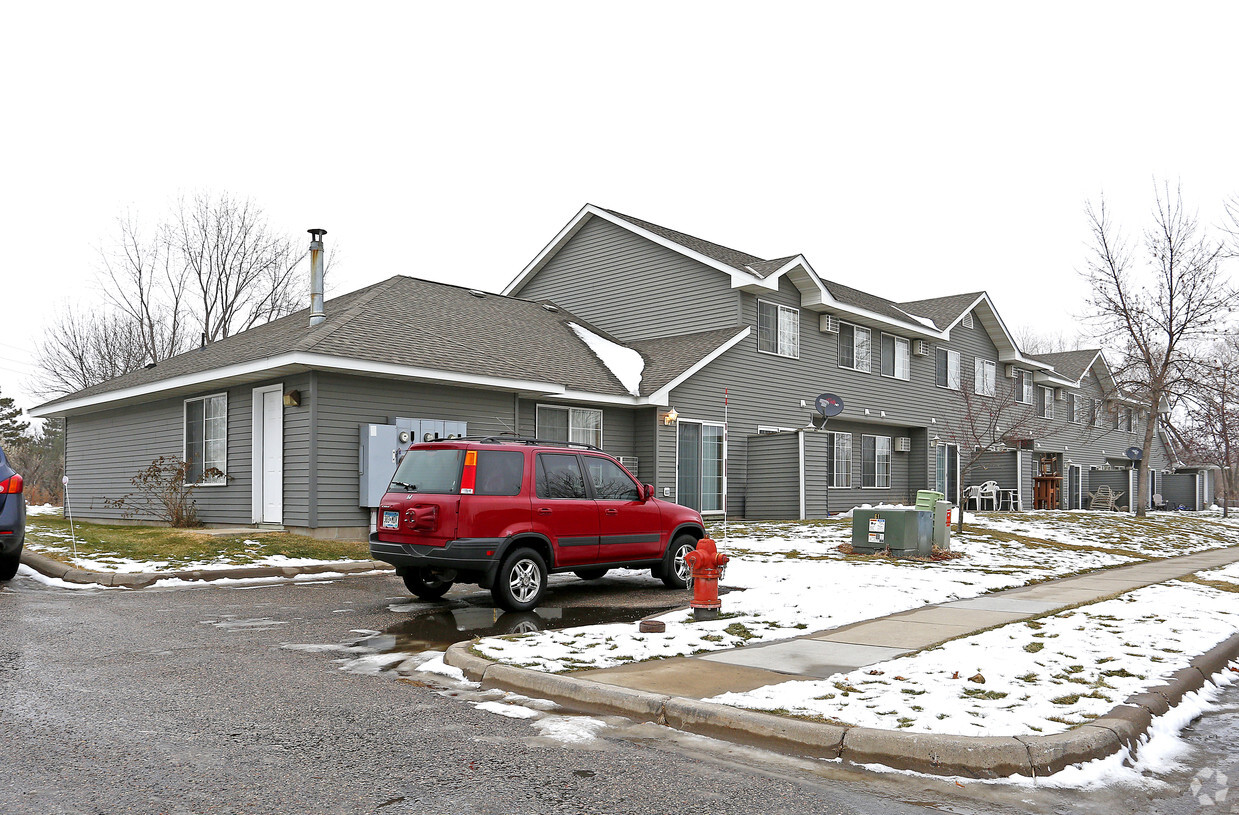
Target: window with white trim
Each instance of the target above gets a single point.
(1023, 386)
(839, 459)
(948, 369)
(895, 357)
(1045, 405)
(570, 424)
(855, 347)
(985, 374)
(206, 439)
(1073, 409)
(875, 462)
(778, 329)
(1127, 423)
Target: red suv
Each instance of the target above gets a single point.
(505, 512)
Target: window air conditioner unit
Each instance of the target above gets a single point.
(1060, 394)
(903, 444)
(1010, 371)
(920, 348)
(630, 463)
(830, 324)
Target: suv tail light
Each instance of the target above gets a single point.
(468, 478)
(11, 485)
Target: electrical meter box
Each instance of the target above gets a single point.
(383, 445)
(905, 532)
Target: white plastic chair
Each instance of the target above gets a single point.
(972, 494)
(989, 491)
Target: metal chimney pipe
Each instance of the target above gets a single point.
(316, 276)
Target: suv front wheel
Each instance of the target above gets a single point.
(521, 581)
(675, 570)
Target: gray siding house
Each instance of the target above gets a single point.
(731, 351)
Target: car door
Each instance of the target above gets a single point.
(629, 527)
(563, 510)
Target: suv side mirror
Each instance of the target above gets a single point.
(649, 492)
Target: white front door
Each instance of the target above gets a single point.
(268, 455)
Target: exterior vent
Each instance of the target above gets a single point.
(830, 324)
(477, 293)
(903, 444)
(968, 320)
(1060, 394)
(920, 348)
(629, 462)
(550, 308)
(1010, 371)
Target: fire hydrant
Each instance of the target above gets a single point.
(708, 567)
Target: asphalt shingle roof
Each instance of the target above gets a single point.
(1070, 364)
(418, 323)
(942, 310)
(667, 358)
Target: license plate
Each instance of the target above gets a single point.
(391, 520)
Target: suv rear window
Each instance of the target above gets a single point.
(559, 476)
(500, 472)
(430, 471)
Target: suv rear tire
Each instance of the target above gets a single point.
(425, 584)
(8, 566)
(674, 570)
(521, 581)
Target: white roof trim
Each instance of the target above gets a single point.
(321, 362)
(591, 211)
(663, 394)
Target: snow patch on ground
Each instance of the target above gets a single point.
(511, 711)
(570, 729)
(625, 363)
(1040, 676)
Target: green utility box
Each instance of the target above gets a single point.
(926, 499)
(942, 524)
(906, 532)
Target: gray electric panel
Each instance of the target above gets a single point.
(383, 445)
(380, 452)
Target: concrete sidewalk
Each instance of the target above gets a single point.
(840, 650)
(669, 691)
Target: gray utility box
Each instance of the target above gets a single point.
(383, 445)
(942, 525)
(906, 532)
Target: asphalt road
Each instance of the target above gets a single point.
(189, 700)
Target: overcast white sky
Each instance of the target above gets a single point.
(908, 149)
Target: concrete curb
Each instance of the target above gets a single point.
(137, 580)
(971, 756)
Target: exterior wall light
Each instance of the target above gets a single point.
(670, 417)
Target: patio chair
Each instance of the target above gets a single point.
(989, 491)
(1159, 502)
(1104, 498)
(972, 494)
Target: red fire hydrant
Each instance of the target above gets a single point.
(708, 567)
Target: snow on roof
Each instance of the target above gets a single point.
(625, 363)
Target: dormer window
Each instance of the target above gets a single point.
(778, 329)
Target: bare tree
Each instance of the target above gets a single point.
(1156, 305)
(81, 349)
(145, 282)
(1210, 432)
(1032, 341)
(241, 270)
(990, 419)
(212, 268)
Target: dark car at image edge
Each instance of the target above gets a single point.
(12, 519)
(506, 512)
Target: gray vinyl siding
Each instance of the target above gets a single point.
(1116, 480)
(344, 402)
(105, 450)
(817, 492)
(1180, 490)
(645, 443)
(297, 445)
(773, 476)
(631, 287)
(618, 428)
(1000, 467)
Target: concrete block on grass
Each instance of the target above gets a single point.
(1218, 657)
(974, 757)
(577, 694)
(765, 730)
(1154, 703)
(45, 565)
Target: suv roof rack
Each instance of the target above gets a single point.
(506, 438)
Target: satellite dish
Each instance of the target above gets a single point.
(828, 405)
(1134, 453)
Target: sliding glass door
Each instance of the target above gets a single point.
(699, 466)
